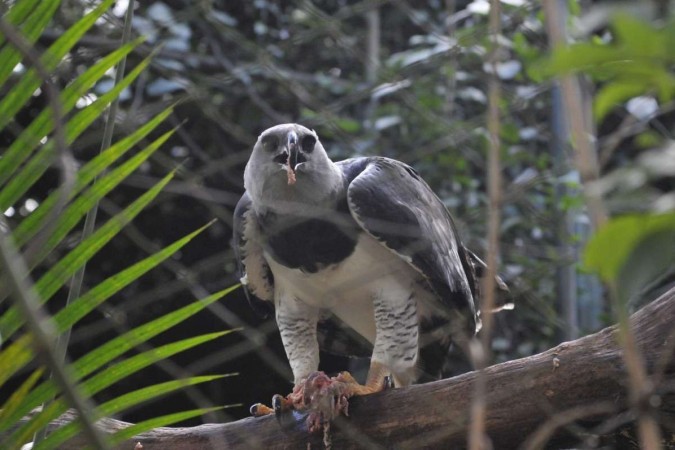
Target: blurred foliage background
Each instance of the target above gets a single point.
(400, 78)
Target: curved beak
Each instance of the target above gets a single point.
(292, 146)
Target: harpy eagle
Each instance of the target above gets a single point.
(355, 254)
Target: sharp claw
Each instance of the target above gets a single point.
(343, 405)
(258, 409)
(278, 405)
(319, 399)
(306, 392)
(285, 411)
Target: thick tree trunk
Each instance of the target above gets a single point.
(574, 391)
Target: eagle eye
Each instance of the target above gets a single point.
(270, 142)
(308, 143)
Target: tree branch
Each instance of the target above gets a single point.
(575, 389)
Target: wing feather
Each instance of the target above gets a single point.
(392, 203)
(255, 273)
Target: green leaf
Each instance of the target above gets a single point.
(510, 132)
(608, 250)
(348, 125)
(18, 13)
(30, 81)
(14, 357)
(574, 7)
(579, 57)
(134, 398)
(74, 213)
(34, 222)
(641, 38)
(106, 378)
(122, 403)
(649, 139)
(652, 258)
(51, 281)
(161, 421)
(58, 274)
(613, 94)
(105, 159)
(135, 363)
(41, 161)
(527, 52)
(85, 117)
(641, 54)
(18, 396)
(31, 29)
(80, 307)
(103, 355)
(21, 148)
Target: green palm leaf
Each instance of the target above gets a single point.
(42, 160)
(102, 355)
(106, 378)
(161, 421)
(30, 81)
(34, 222)
(14, 357)
(18, 354)
(18, 14)
(124, 402)
(17, 397)
(51, 281)
(82, 306)
(111, 350)
(151, 392)
(78, 209)
(43, 124)
(31, 28)
(20, 168)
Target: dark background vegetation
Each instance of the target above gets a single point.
(412, 87)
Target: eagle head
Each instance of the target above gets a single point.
(289, 163)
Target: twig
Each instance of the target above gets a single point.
(90, 218)
(243, 78)
(481, 355)
(545, 432)
(628, 127)
(576, 115)
(450, 8)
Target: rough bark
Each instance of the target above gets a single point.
(575, 390)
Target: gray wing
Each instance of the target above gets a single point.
(255, 273)
(392, 203)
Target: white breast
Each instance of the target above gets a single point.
(348, 288)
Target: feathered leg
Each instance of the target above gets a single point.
(297, 325)
(394, 355)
